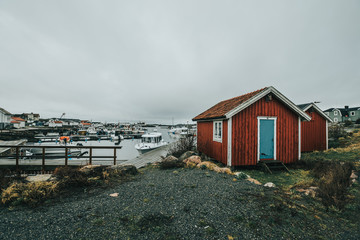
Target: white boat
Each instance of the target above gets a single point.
(91, 131)
(50, 137)
(150, 141)
(55, 152)
(172, 130)
(113, 137)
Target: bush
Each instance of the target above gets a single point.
(183, 145)
(348, 123)
(336, 131)
(30, 193)
(333, 183)
(69, 176)
(310, 163)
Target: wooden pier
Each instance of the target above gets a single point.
(19, 162)
(7, 145)
(149, 157)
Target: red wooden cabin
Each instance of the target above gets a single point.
(261, 125)
(314, 134)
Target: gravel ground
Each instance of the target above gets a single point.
(163, 204)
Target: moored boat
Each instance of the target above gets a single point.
(150, 141)
(55, 152)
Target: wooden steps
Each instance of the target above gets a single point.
(269, 165)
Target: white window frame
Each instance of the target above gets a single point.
(218, 132)
(336, 120)
(352, 113)
(335, 113)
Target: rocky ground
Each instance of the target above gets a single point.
(177, 203)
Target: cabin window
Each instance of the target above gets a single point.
(335, 113)
(335, 120)
(352, 113)
(217, 130)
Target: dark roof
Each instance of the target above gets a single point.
(219, 110)
(4, 111)
(329, 110)
(303, 106)
(342, 109)
(307, 106)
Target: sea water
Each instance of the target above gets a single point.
(127, 152)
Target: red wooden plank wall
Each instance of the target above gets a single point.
(244, 132)
(206, 144)
(313, 133)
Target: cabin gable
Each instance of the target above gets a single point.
(314, 134)
(245, 132)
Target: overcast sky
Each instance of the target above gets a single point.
(156, 61)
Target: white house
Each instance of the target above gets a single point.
(5, 118)
(17, 122)
(55, 123)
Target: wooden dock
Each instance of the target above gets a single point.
(149, 157)
(10, 143)
(44, 163)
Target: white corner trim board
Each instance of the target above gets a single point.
(300, 138)
(229, 142)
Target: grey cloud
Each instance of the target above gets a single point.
(158, 60)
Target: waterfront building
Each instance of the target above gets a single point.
(258, 126)
(5, 118)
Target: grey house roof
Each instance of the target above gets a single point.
(343, 111)
(5, 112)
(307, 106)
(304, 106)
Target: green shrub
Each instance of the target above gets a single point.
(333, 182)
(348, 123)
(32, 193)
(69, 176)
(183, 145)
(336, 131)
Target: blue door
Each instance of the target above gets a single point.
(266, 139)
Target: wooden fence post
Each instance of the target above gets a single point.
(17, 159)
(90, 156)
(66, 156)
(43, 160)
(114, 156)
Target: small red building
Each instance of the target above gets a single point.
(261, 125)
(314, 134)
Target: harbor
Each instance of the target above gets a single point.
(46, 156)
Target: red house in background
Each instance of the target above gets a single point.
(261, 125)
(314, 134)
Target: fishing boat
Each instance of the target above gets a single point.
(50, 137)
(55, 152)
(150, 141)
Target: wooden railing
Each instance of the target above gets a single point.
(17, 155)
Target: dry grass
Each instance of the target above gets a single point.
(29, 193)
(34, 193)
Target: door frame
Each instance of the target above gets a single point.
(258, 134)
